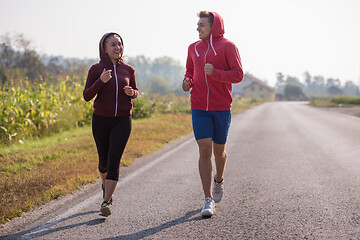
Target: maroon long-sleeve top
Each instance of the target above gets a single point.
(111, 100)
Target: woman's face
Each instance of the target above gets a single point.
(113, 48)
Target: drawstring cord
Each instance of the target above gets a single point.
(211, 43)
(197, 54)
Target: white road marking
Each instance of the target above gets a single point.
(78, 207)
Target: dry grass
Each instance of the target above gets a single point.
(33, 176)
(33, 173)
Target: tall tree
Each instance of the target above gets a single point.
(294, 92)
(280, 83)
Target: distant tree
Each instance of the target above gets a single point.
(332, 82)
(351, 89)
(31, 63)
(294, 92)
(54, 66)
(142, 67)
(334, 90)
(319, 85)
(19, 61)
(309, 87)
(17, 56)
(293, 80)
(8, 56)
(280, 83)
(307, 79)
(158, 84)
(167, 68)
(170, 69)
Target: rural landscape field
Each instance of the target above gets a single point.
(46, 142)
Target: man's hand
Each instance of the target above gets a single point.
(208, 69)
(186, 85)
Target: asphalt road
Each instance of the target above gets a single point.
(293, 173)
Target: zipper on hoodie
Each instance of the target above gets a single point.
(117, 90)
(207, 85)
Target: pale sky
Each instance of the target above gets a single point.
(288, 36)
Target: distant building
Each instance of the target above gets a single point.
(252, 87)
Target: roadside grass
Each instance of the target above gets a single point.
(338, 101)
(39, 170)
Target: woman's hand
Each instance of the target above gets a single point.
(129, 91)
(105, 76)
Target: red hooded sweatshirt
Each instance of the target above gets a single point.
(111, 100)
(213, 93)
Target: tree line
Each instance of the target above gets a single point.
(292, 88)
(20, 62)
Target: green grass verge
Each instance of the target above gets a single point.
(41, 169)
(338, 101)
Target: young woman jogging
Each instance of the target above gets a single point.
(113, 84)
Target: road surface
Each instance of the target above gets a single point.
(293, 173)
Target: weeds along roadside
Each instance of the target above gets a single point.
(334, 101)
(33, 175)
(45, 168)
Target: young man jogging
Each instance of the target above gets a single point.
(212, 65)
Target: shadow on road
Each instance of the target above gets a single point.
(148, 232)
(44, 229)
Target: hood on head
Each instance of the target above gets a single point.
(217, 29)
(103, 56)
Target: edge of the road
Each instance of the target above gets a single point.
(44, 214)
(41, 215)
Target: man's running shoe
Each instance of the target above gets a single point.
(208, 208)
(105, 208)
(218, 190)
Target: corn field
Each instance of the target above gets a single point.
(33, 111)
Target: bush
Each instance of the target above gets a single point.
(346, 100)
(294, 92)
(142, 107)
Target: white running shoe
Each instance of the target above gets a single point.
(208, 208)
(218, 190)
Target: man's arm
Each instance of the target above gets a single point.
(235, 74)
(187, 82)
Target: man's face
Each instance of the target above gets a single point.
(204, 28)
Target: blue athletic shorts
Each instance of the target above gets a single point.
(211, 124)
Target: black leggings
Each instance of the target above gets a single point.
(111, 135)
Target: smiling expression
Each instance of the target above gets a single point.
(114, 48)
(204, 28)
